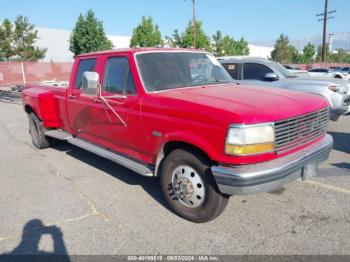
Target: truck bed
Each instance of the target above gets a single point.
(47, 102)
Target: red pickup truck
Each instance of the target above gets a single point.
(176, 114)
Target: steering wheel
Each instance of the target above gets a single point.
(199, 78)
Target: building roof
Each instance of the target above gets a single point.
(57, 43)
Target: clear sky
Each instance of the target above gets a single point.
(252, 19)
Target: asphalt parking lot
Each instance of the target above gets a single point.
(65, 200)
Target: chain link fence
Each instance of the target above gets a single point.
(18, 73)
(320, 65)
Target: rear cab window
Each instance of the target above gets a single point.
(234, 69)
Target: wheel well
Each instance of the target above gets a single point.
(28, 109)
(170, 146)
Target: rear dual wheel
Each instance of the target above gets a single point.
(189, 187)
(37, 132)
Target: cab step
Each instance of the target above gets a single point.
(140, 168)
(135, 166)
(59, 134)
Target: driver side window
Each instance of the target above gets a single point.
(253, 71)
(117, 76)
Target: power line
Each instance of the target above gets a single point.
(325, 19)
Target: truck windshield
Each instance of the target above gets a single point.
(170, 70)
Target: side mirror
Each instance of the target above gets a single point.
(90, 83)
(271, 77)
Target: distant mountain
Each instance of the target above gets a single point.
(340, 40)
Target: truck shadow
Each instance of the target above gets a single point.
(341, 141)
(29, 249)
(149, 184)
(342, 165)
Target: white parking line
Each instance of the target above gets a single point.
(334, 188)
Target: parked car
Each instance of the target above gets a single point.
(265, 73)
(178, 115)
(290, 67)
(329, 73)
(335, 68)
(345, 70)
(55, 83)
(295, 70)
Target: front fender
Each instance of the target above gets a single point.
(187, 138)
(192, 139)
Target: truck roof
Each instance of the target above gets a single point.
(137, 50)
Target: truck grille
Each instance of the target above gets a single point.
(297, 131)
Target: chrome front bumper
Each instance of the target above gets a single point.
(340, 104)
(272, 175)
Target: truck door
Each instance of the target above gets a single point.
(79, 105)
(117, 118)
(112, 122)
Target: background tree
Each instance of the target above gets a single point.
(228, 46)
(6, 39)
(24, 38)
(297, 57)
(319, 54)
(88, 35)
(146, 34)
(185, 39)
(308, 53)
(339, 57)
(174, 40)
(202, 40)
(218, 44)
(283, 52)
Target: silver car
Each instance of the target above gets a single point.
(329, 73)
(262, 72)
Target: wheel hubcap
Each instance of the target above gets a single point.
(188, 186)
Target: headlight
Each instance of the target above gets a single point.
(246, 140)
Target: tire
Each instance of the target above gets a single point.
(37, 132)
(202, 200)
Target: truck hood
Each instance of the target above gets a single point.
(244, 104)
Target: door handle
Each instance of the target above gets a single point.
(98, 100)
(70, 96)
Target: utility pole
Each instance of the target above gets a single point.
(194, 35)
(325, 20)
(194, 22)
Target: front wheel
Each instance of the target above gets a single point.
(189, 187)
